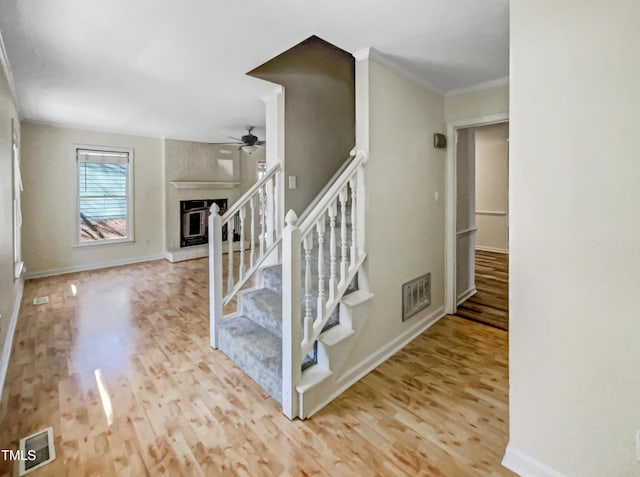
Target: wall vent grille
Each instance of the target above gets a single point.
(416, 296)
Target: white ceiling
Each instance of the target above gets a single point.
(176, 68)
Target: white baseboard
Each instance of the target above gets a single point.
(359, 371)
(91, 266)
(8, 340)
(526, 466)
(466, 295)
(492, 249)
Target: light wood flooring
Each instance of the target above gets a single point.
(490, 305)
(179, 408)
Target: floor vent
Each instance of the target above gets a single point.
(41, 300)
(416, 296)
(36, 450)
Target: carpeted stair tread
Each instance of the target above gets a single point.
(264, 307)
(255, 350)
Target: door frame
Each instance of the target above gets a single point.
(451, 194)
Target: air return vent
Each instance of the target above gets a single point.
(416, 296)
(36, 450)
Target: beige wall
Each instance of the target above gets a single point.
(404, 222)
(574, 247)
(492, 191)
(9, 289)
(49, 207)
(319, 114)
(476, 104)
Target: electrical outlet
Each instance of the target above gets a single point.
(292, 182)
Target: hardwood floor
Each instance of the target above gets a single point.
(490, 305)
(176, 407)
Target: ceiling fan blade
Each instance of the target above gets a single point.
(236, 139)
(226, 143)
(260, 143)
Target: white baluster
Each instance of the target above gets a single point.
(262, 217)
(242, 213)
(333, 210)
(276, 209)
(343, 235)
(230, 231)
(354, 235)
(252, 252)
(320, 228)
(308, 247)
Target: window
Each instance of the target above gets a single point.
(17, 208)
(105, 185)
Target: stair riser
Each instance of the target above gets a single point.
(269, 318)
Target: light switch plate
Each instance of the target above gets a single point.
(292, 182)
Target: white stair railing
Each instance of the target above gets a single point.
(302, 325)
(255, 212)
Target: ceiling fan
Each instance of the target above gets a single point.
(248, 143)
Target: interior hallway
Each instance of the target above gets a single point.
(437, 408)
(490, 305)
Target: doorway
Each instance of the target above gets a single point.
(477, 221)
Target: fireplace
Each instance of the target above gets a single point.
(194, 223)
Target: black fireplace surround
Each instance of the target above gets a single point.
(194, 223)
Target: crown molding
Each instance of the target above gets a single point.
(381, 58)
(480, 86)
(8, 73)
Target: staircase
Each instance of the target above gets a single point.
(293, 332)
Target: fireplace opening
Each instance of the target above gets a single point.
(194, 223)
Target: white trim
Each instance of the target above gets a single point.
(8, 339)
(450, 201)
(8, 73)
(491, 212)
(275, 93)
(525, 465)
(362, 54)
(382, 59)
(466, 295)
(492, 249)
(92, 266)
(359, 371)
(480, 86)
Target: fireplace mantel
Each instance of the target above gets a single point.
(204, 185)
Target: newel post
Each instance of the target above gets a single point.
(215, 272)
(291, 315)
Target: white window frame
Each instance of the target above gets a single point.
(130, 197)
(17, 201)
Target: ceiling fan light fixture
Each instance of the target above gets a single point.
(249, 149)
